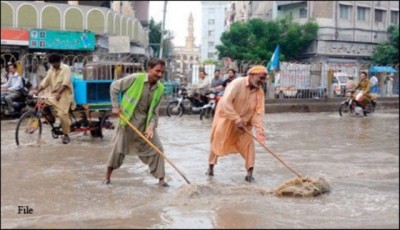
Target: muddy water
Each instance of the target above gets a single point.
(358, 156)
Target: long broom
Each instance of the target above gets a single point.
(300, 186)
(153, 146)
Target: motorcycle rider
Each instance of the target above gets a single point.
(13, 87)
(216, 81)
(231, 77)
(364, 85)
(199, 90)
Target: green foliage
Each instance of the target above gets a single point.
(387, 53)
(257, 39)
(155, 38)
(211, 62)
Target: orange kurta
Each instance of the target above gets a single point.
(239, 103)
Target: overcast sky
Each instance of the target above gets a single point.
(177, 18)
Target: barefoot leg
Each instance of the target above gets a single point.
(162, 183)
(107, 180)
(210, 171)
(249, 177)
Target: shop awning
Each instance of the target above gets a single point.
(382, 69)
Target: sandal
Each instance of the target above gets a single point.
(65, 139)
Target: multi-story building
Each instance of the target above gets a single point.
(104, 19)
(348, 32)
(213, 15)
(185, 57)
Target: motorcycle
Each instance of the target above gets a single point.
(184, 104)
(208, 110)
(354, 104)
(20, 105)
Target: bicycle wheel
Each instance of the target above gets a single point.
(29, 129)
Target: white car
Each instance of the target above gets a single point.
(339, 83)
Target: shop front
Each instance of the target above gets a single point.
(14, 44)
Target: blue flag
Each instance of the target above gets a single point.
(274, 62)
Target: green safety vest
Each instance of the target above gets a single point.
(132, 96)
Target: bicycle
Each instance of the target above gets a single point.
(29, 127)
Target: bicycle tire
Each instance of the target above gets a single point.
(28, 126)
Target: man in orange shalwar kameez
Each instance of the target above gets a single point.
(241, 107)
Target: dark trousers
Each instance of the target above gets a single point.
(12, 96)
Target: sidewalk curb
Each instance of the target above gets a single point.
(310, 105)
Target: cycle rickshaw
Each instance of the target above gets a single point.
(92, 96)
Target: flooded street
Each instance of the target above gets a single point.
(358, 156)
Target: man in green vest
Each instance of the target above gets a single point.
(142, 93)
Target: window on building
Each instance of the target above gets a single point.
(211, 33)
(303, 13)
(362, 13)
(211, 21)
(210, 55)
(290, 14)
(345, 12)
(379, 15)
(394, 17)
(211, 44)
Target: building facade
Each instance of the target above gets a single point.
(348, 32)
(103, 18)
(213, 25)
(185, 57)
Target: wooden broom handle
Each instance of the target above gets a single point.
(152, 145)
(273, 154)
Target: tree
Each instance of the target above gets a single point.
(155, 38)
(257, 39)
(212, 62)
(388, 52)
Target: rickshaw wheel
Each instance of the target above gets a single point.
(100, 126)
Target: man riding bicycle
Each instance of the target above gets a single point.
(59, 85)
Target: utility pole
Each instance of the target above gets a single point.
(162, 31)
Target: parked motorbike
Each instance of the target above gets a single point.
(20, 105)
(354, 104)
(184, 104)
(208, 110)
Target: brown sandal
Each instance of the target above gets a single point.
(65, 139)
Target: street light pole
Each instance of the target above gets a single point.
(162, 31)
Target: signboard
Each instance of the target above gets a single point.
(118, 44)
(61, 40)
(14, 37)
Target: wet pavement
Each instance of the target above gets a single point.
(358, 156)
